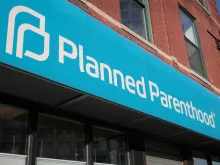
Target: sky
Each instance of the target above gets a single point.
(218, 2)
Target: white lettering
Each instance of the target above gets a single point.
(164, 100)
(104, 67)
(92, 66)
(63, 53)
(117, 72)
(176, 105)
(130, 83)
(153, 93)
(141, 89)
(21, 33)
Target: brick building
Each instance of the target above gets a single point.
(126, 82)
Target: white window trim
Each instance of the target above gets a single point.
(200, 77)
(138, 36)
(203, 8)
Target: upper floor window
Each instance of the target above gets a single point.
(192, 43)
(133, 15)
(202, 2)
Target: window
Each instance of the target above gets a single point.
(133, 15)
(13, 135)
(202, 2)
(60, 139)
(108, 147)
(192, 43)
(215, 160)
(162, 153)
(199, 158)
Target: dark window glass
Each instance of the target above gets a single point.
(133, 16)
(215, 160)
(194, 57)
(188, 27)
(193, 49)
(13, 130)
(60, 139)
(199, 158)
(162, 153)
(202, 2)
(108, 147)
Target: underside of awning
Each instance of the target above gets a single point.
(32, 88)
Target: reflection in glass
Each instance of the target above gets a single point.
(60, 139)
(198, 161)
(194, 57)
(13, 130)
(108, 147)
(133, 16)
(199, 158)
(13, 135)
(193, 49)
(215, 163)
(188, 27)
(215, 160)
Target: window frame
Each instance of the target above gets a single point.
(56, 141)
(198, 47)
(147, 20)
(121, 134)
(203, 3)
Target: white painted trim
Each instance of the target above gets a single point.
(58, 161)
(84, 1)
(138, 36)
(206, 81)
(103, 164)
(12, 155)
(162, 53)
(200, 77)
(208, 13)
(215, 21)
(203, 8)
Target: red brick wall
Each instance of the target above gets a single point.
(111, 7)
(167, 31)
(213, 9)
(158, 23)
(169, 34)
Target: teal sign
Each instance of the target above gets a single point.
(58, 41)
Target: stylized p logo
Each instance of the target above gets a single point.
(21, 32)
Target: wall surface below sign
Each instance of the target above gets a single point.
(60, 42)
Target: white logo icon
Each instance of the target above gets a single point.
(21, 32)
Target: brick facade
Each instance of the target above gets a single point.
(167, 32)
(111, 7)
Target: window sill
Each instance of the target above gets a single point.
(200, 77)
(128, 30)
(84, 1)
(203, 8)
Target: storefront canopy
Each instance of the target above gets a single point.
(58, 41)
(33, 92)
